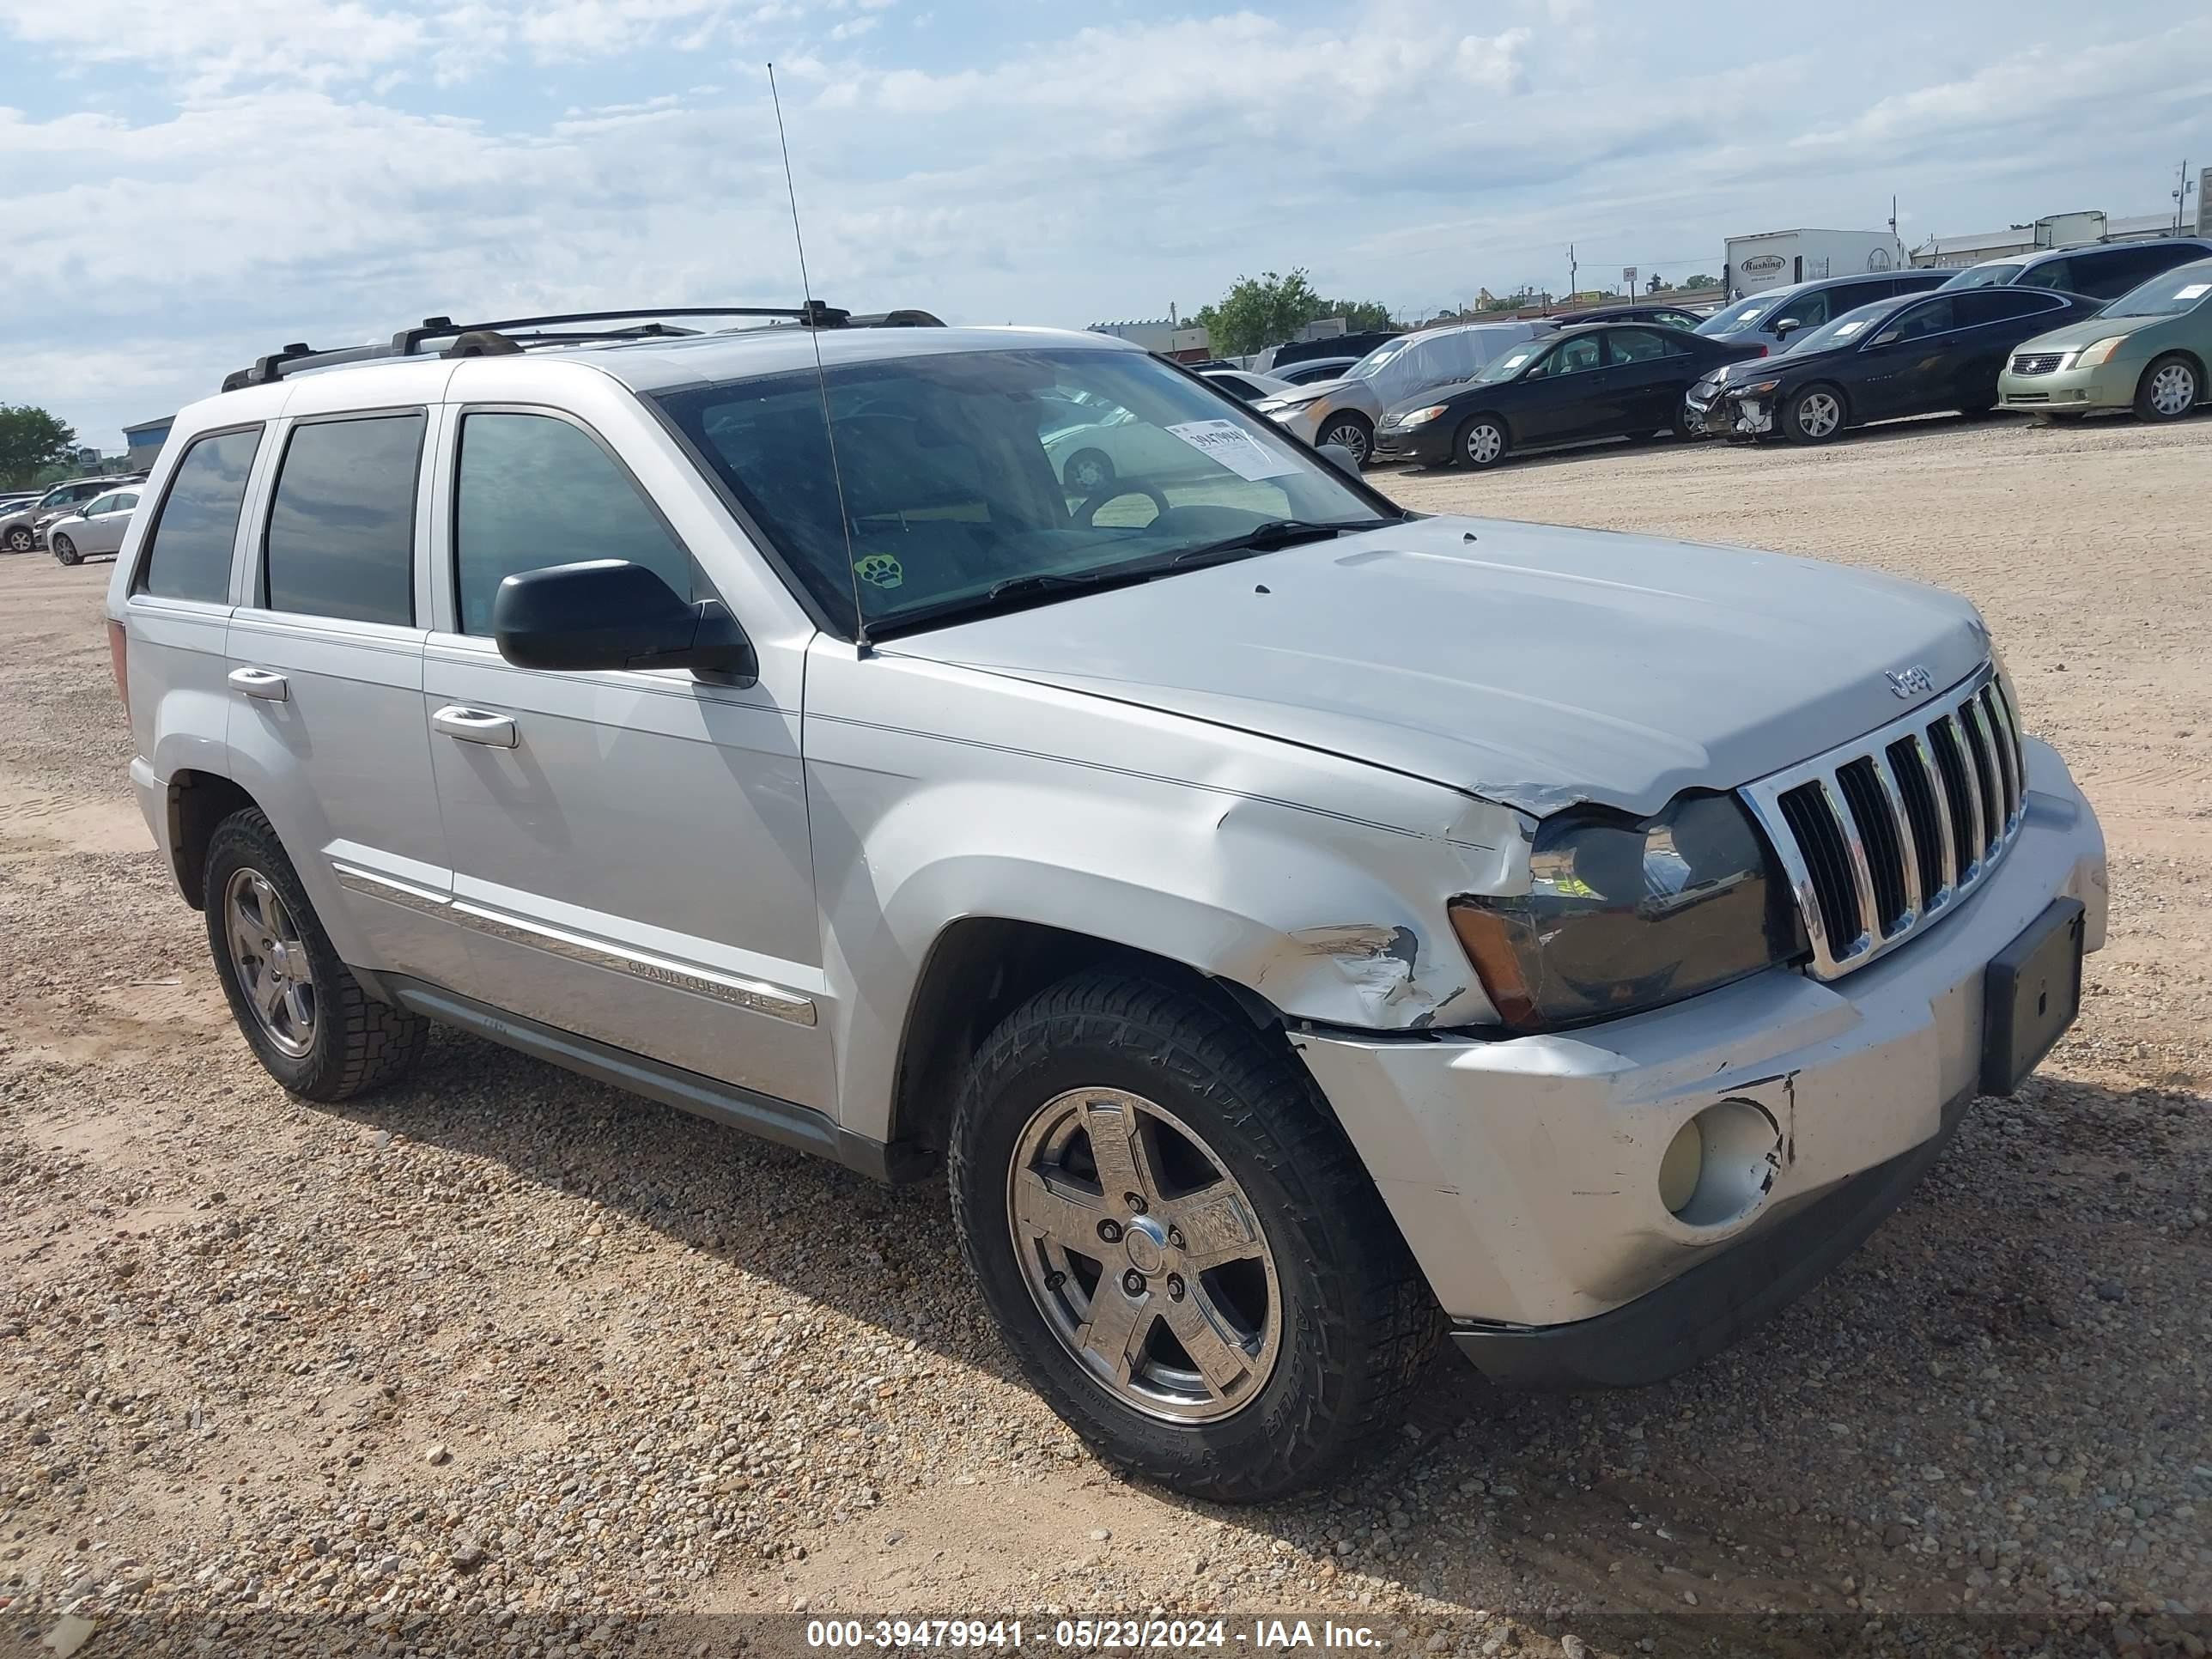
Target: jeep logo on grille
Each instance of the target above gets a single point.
(1913, 682)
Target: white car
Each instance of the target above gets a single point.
(1101, 444)
(95, 531)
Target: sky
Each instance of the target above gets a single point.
(188, 185)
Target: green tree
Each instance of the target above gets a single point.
(30, 439)
(1260, 311)
(1359, 315)
(1700, 281)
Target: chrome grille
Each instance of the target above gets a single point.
(2037, 362)
(1883, 835)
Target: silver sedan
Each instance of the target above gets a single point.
(95, 531)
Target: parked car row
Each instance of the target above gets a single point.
(1809, 362)
(27, 523)
(1972, 345)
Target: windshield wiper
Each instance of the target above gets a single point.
(1265, 538)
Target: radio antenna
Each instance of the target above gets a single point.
(812, 322)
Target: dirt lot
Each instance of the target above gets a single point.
(501, 1346)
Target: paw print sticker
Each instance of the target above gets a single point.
(880, 570)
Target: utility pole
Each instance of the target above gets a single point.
(2182, 186)
(1573, 286)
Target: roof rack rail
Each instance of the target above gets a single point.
(514, 334)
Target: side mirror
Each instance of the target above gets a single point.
(1786, 327)
(1341, 457)
(610, 613)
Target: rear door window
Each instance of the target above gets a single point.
(1999, 305)
(1929, 317)
(341, 540)
(1639, 345)
(188, 552)
(533, 491)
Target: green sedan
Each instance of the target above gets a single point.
(2147, 351)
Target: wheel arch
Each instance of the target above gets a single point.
(198, 802)
(977, 970)
(2194, 359)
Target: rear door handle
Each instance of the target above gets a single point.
(474, 725)
(262, 683)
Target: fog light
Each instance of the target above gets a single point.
(1721, 1165)
(1678, 1171)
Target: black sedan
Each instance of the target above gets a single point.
(1915, 355)
(1609, 380)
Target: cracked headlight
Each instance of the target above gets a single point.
(1623, 914)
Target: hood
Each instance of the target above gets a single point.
(1527, 664)
(1310, 391)
(2087, 331)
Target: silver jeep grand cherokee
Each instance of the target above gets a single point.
(1298, 929)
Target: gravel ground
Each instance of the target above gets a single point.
(501, 1359)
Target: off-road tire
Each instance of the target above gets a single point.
(360, 1043)
(1360, 1326)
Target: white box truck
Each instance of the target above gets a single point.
(1776, 258)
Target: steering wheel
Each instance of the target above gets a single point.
(1086, 515)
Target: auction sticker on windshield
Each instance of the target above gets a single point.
(2195, 291)
(1227, 443)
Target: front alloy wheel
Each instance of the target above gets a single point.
(2169, 390)
(65, 551)
(1184, 1254)
(1816, 416)
(1352, 434)
(1483, 443)
(1145, 1256)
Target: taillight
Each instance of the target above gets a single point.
(118, 658)
(1762, 351)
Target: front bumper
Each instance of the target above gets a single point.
(1429, 444)
(2064, 391)
(1736, 415)
(1523, 1173)
(1303, 424)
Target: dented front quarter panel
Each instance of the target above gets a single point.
(937, 793)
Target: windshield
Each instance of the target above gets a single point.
(1378, 359)
(2167, 294)
(963, 471)
(1852, 326)
(1505, 368)
(1987, 276)
(1740, 318)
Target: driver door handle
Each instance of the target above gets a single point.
(475, 725)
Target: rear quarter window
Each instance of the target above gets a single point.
(188, 551)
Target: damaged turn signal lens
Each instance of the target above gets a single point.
(1624, 914)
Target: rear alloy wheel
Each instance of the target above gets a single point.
(1183, 1253)
(1351, 432)
(1814, 415)
(2169, 389)
(65, 550)
(20, 539)
(306, 1018)
(1481, 442)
